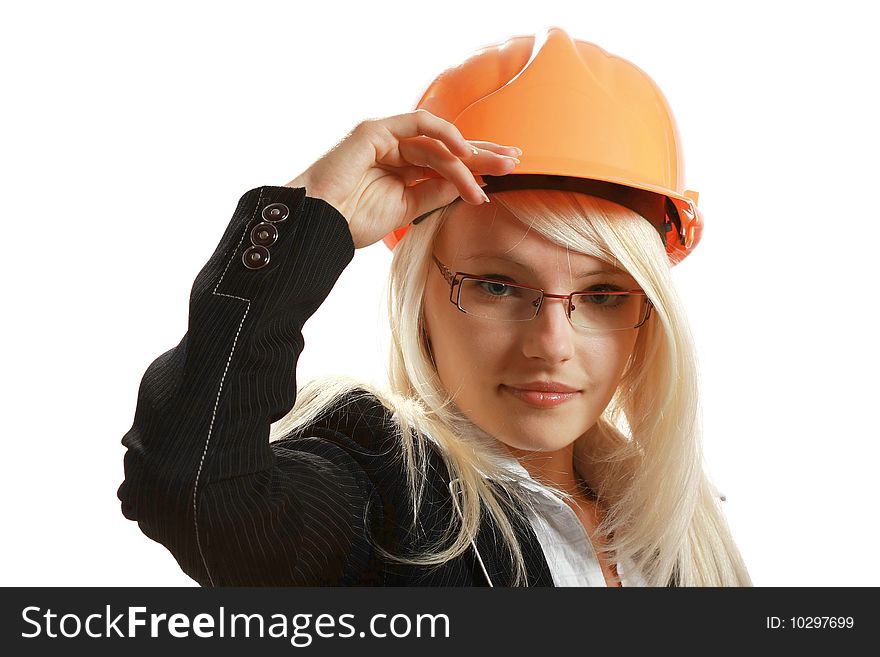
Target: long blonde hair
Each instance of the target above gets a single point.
(643, 457)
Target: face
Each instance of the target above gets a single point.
(479, 360)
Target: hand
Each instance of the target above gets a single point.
(368, 176)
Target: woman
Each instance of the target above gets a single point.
(520, 441)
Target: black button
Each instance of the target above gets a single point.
(264, 234)
(276, 212)
(255, 257)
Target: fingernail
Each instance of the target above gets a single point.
(517, 149)
(485, 197)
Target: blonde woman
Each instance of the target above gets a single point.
(540, 426)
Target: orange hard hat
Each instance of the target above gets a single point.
(585, 120)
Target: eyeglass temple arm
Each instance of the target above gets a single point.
(444, 270)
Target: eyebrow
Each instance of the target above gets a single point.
(513, 261)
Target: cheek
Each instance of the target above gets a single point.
(464, 354)
(605, 360)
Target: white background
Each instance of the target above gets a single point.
(129, 134)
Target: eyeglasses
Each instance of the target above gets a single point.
(612, 309)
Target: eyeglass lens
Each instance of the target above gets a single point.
(603, 310)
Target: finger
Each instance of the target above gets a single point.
(422, 122)
(485, 161)
(496, 148)
(490, 156)
(426, 152)
(413, 174)
(390, 134)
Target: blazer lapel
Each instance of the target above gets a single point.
(493, 554)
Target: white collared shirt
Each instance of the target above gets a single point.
(567, 548)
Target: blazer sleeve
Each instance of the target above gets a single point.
(201, 476)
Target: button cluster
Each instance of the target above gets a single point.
(264, 235)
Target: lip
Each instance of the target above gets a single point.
(545, 386)
(542, 398)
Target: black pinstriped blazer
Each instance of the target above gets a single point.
(201, 476)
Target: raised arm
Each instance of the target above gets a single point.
(200, 474)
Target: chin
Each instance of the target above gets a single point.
(539, 448)
(535, 441)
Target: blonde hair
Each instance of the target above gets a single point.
(643, 457)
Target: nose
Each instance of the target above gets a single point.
(550, 336)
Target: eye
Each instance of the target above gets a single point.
(607, 300)
(494, 289)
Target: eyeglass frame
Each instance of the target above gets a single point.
(453, 280)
